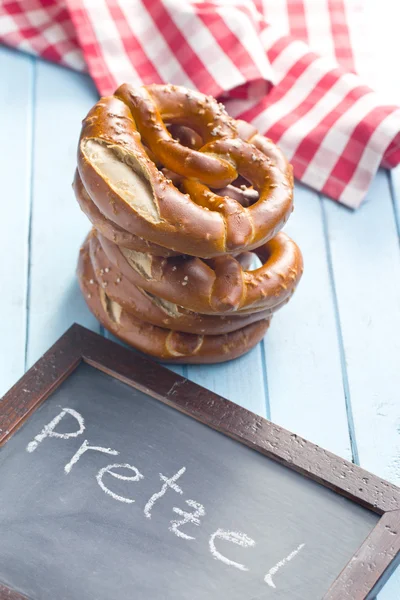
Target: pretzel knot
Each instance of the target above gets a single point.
(127, 152)
(161, 342)
(215, 286)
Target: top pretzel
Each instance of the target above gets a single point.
(128, 157)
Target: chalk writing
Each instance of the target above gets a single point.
(187, 518)
(137, 477)
(279, 565)
(236, 537)
(48, 430)
(169, 483)
(84, 448)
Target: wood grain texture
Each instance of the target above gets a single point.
(386, 532)
(7, 594)
(58, 226)
(15, 175)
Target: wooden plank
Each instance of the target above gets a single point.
(395, 192)
(241, 380)
(391, 589)
(16, 106)
(368, 414)
(302, 348)
(58, 227)
(366, 266)
(179, 369)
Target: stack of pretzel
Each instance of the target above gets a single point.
(181, 197)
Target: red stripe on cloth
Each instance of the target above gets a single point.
(349, 159)
(392, 155)
(229, 43)
(323, 86)
(12, 8)
(246, 7)
(341, 34)
(314, 140)
(278, 47)
(279, 91)
(104, 79)
(190, 62)
(134, 50)
(47, 3)
(297, 20)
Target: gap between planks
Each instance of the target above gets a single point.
(32, 133)
(339, 333)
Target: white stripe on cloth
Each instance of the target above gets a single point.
(299, 131)
(319, 27)
(200, 39)
(354, 192)
(154, 46)
(235, 22)
(113, 51)
(295, 96)
(336, 140)
(276, 13)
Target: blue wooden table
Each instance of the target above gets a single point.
(329, 368)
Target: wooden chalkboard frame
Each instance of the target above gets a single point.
(366, 572)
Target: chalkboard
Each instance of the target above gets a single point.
(109, 490)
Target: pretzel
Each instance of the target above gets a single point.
(215, 286)
(156, 311)
(109, 229)
(130, 190)
(116, 234)
(163, 344)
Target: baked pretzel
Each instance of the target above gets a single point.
(120, 236)
(111, 230)
(120, 134)
(146, 307)
(214, 286)
(163, 344)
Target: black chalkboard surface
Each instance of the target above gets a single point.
(109, 490)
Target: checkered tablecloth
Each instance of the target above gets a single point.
(288, 66)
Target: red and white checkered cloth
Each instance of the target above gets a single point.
(288, 66)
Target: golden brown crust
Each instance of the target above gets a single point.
(163, 344)
(181, 197)
(159, 312)
(201, 223)
(155, 105)
(111, 230)
(215, 286)
(120, 236)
